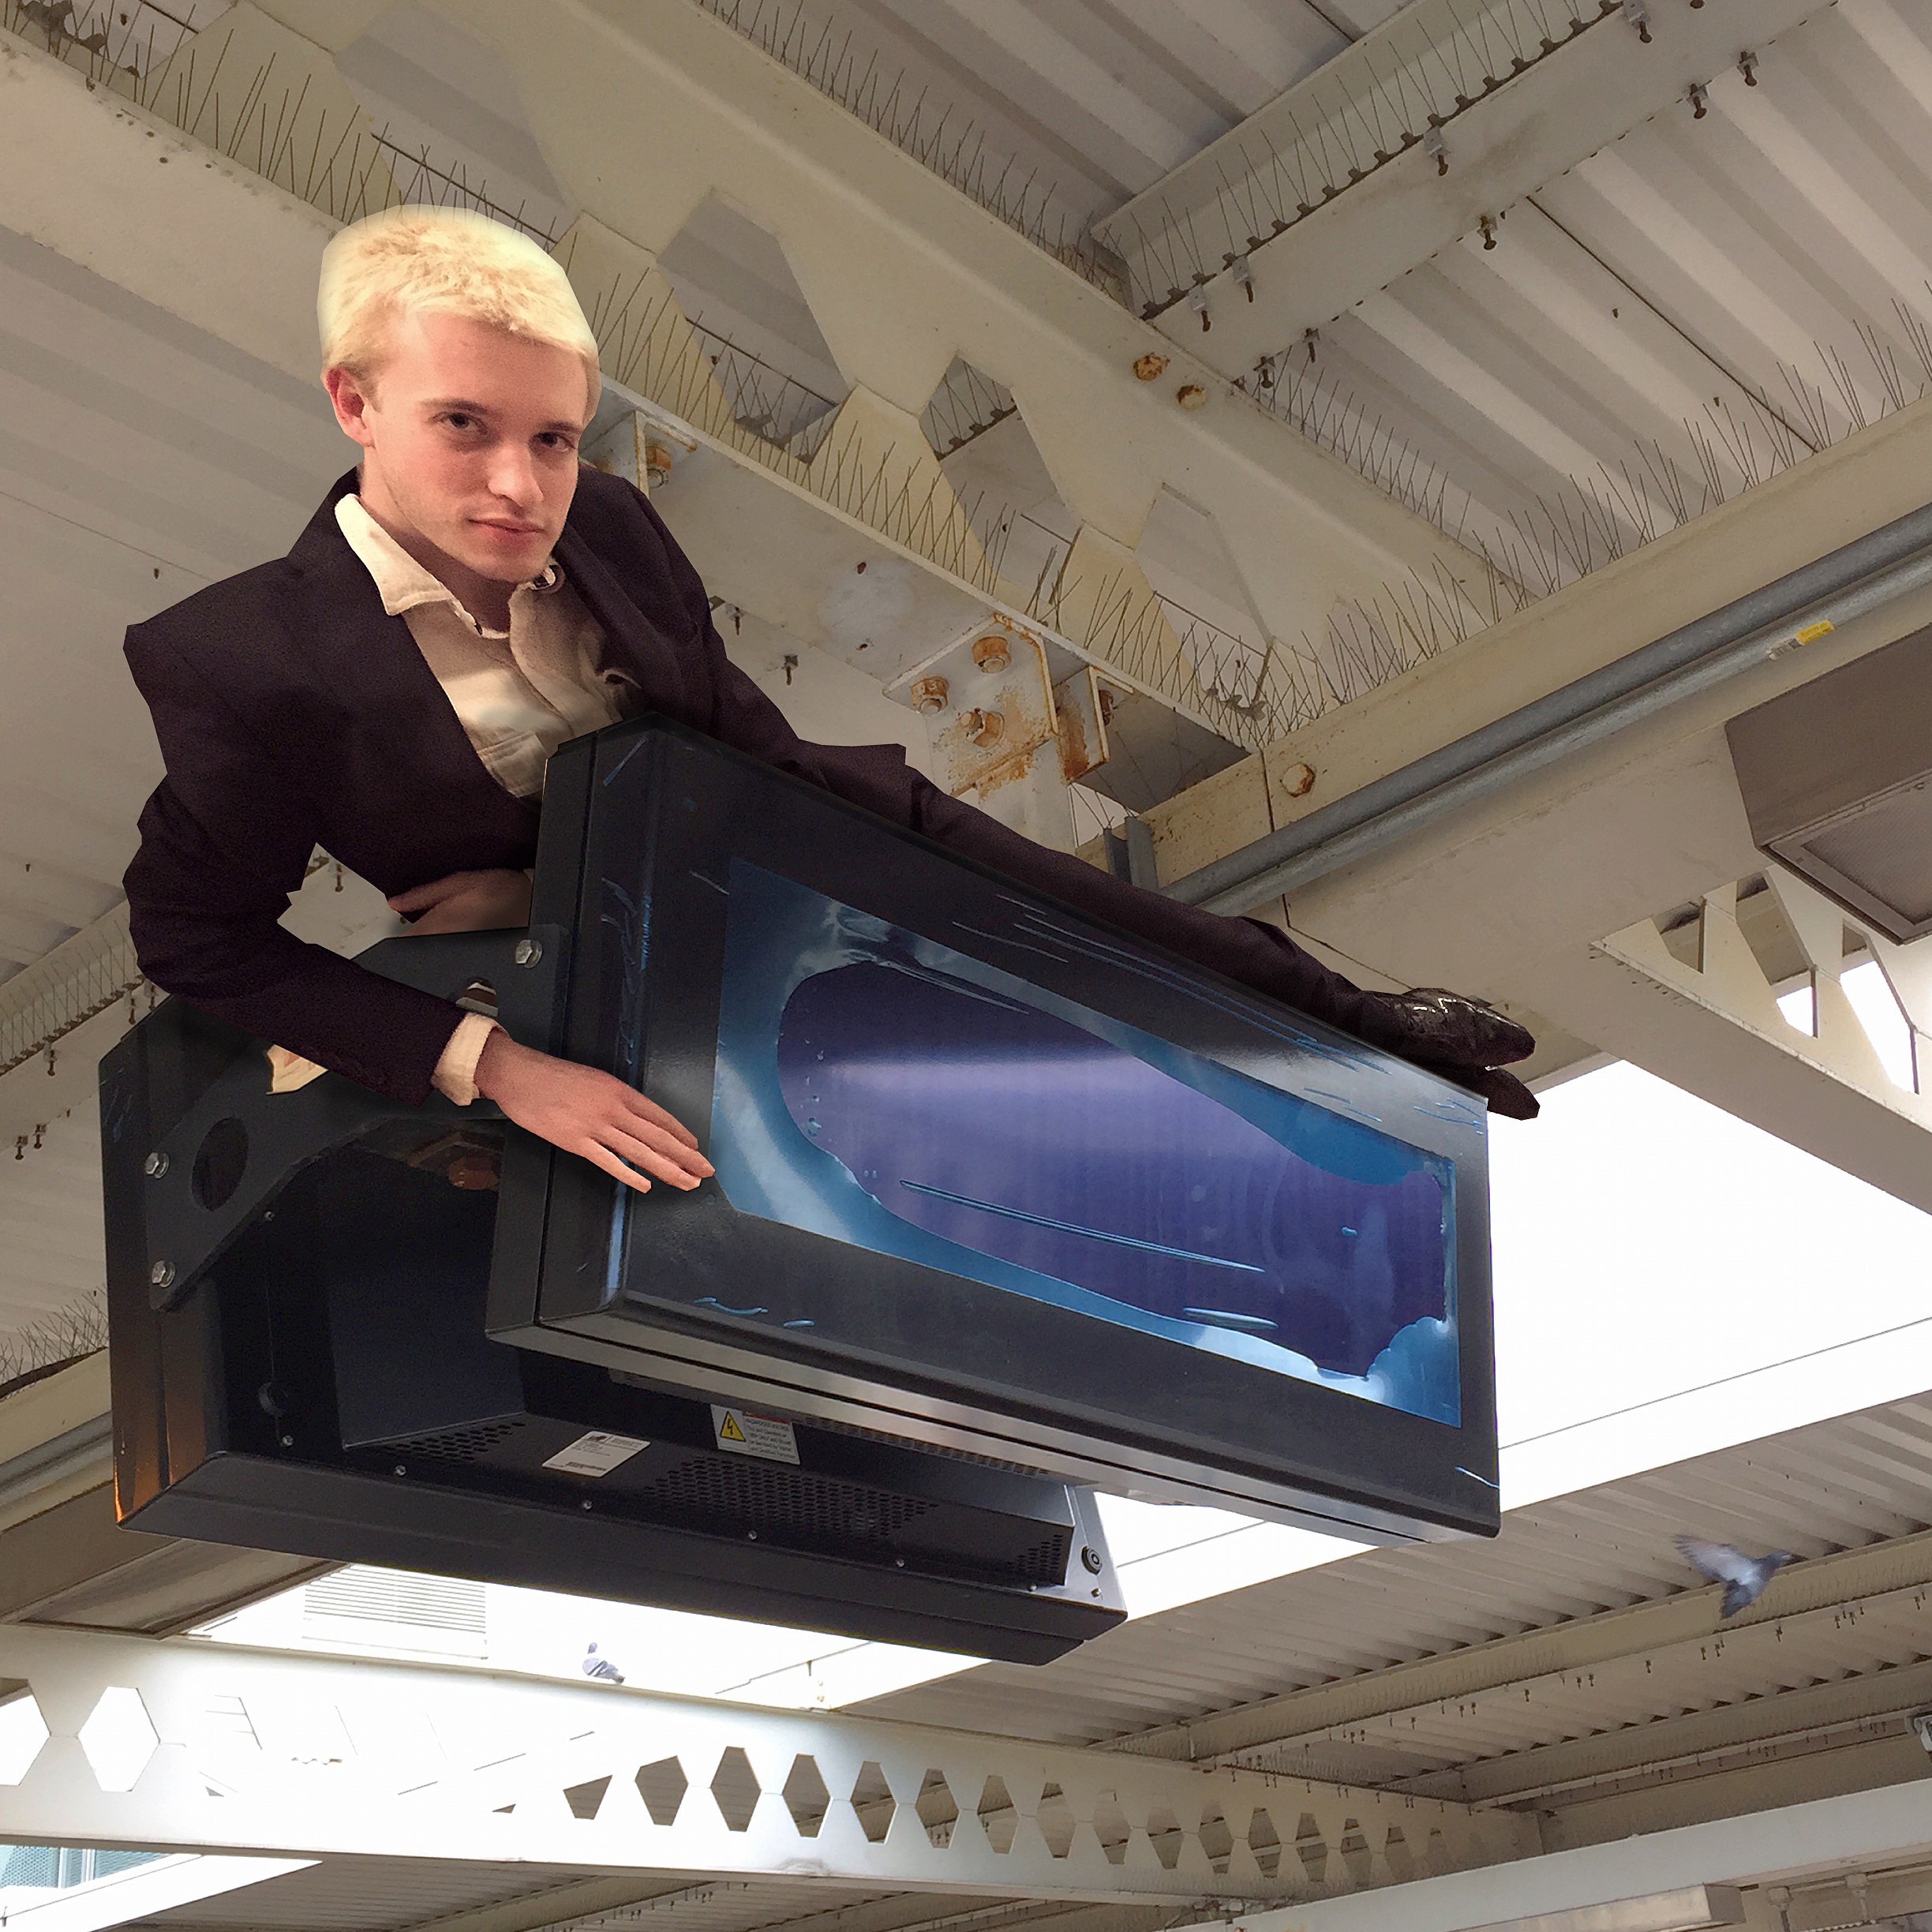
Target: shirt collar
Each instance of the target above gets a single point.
(402, 583)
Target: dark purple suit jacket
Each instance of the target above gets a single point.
(293, 711)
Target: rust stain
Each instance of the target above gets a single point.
(1075, 761)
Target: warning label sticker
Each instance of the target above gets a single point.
(743, 1432)
(594, 1453)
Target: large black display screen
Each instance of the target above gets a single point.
(992, 1176)
(898, 1094)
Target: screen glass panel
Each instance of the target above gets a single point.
(883, 1090)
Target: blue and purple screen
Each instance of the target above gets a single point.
(888, 1091)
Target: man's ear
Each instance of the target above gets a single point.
(352, 403)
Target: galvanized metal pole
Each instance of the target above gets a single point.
(1862, 576)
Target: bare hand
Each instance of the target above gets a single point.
(467, 902)
(584, 1111)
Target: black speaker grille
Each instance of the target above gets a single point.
(461, 1445)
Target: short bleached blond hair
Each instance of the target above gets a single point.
(453, 261)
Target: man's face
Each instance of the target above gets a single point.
(470, 442)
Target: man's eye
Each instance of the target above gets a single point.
(457, 419)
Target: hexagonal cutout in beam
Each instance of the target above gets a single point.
(586, 1800)
(805, 1796)
(937, 1809)
(118, 1738)
(873, 1800)
(23, 1731)
(662, 1787)
(1056, 1820)
(735, 1788)
(758, 332)
(997, 1818)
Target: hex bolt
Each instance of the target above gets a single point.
(929, 695)
(992, 652)
(984, 728)
(1298, 780)
(161, 1274)
(529, 952)
(1148, 366)
(155, 1165)
(1191, 395)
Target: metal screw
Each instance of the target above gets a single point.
(929, 694)
(751, 1536)
(288, 1442)
(898, 1562)
(1093, 1559)
(402, 1468)
(1146, 368)
(161, 1274)
(1191, 395)
(529, 951)
(585, 1504)
(155, 1165)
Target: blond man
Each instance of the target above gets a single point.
(464, 600)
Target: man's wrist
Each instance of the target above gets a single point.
(456, 1072)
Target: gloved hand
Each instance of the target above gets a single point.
(1464, 1039)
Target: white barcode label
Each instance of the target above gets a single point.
(594, 1453)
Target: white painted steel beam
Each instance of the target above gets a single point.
(1520, 96)
(901, 272)
(1870, 1830)
(187, 1745)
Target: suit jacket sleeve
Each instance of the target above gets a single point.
(226, 839)
(878, 777)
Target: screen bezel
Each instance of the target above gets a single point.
(1224, 1431)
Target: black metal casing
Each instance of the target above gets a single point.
(309, 1372)
(643, 825)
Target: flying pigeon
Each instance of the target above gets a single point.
(1743, 1577)
(601, 1668)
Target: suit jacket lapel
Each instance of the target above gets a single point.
(632, 642)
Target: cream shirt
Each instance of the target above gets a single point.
(518, 693)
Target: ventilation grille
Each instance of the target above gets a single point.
(363, 1594)
(1046, 1562)
(461, 1445)
(707, 1488)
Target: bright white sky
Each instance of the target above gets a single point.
(1668, 1281)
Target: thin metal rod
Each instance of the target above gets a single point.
(1875, 570)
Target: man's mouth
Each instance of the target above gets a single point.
(508, 530)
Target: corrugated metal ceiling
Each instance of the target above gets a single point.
(1859, 1482)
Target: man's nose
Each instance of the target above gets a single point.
(513, 475)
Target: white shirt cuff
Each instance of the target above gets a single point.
(454, 1077)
